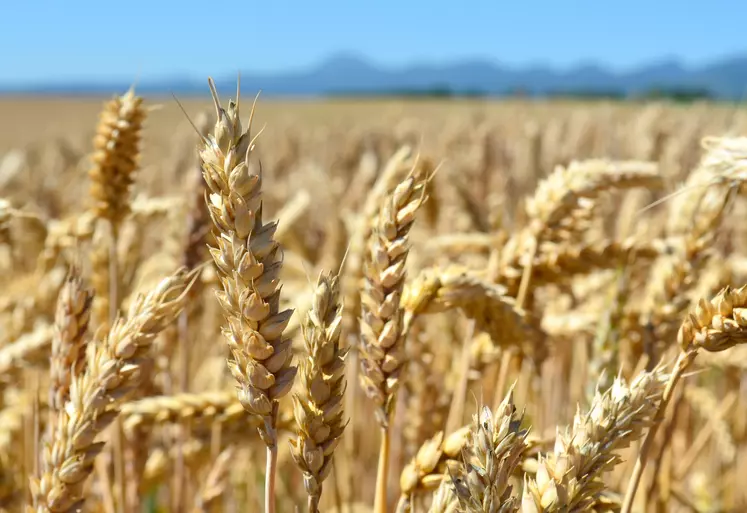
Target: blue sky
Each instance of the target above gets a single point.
(59, 40)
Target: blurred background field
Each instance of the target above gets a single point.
(582, 171)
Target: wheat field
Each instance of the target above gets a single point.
(371, 305)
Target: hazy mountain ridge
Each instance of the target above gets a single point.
(347, 74)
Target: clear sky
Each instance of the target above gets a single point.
(60, 40)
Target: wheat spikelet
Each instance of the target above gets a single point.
(319, 407)
(436, 456)
(444, 498)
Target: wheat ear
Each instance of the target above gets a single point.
(382, 318)
(567, 480)
(68, 342)
(319, 407)
(112, 371)
(382, 315)
(496, 446)
(248, 261)
(714, 326)
(490, 451)
(115, 160)
(443, 288)
(562, 206)
(115, 157)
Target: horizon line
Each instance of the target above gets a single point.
(361, 58)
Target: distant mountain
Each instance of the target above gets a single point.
(350, 74)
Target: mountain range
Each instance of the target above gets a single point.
(347, 74)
